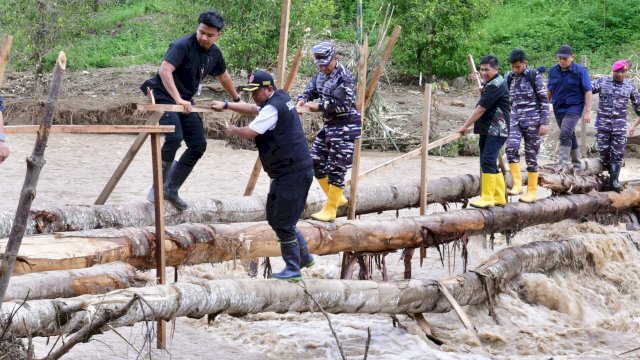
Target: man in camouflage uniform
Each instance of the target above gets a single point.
(332, 150)
(611, 122)
(529, 120)
(490, 119)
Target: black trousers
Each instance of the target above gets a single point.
(285, 202)
(188, 128)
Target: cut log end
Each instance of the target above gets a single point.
(62, 60)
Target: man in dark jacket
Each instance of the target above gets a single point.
(284, 154)
(188, 60)
(490, 120)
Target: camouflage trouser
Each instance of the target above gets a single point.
(532, 142)
(332, 152)
(611, 146)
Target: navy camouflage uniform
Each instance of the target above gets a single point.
(332, 149)
(529, 110)
(611, 122)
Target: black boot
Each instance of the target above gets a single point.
(291, 255)
(166, 165)
(306, 260)
(614, 173)
(177, 175)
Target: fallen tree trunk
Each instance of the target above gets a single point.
(241, 297)
(95, 280)
(372, 198)
(202, 243)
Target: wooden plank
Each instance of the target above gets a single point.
(456, 307)
(386, 54)
(159, 220)
(257, 166)
(154, 119)
(426, 123)
(180, 108)
(5, 48)
(284, 40)
(445, 140)
(360, 100)
(93, 129)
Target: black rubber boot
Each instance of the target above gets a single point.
(291, 255)
(614, 173)
(177, 175)
(166, 165)
(306, 260)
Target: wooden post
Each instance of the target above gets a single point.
(583, 127)
(35, 162)
(5, 48)
(355, 170)
(280, 82)
(154, 119)
(426, 123)
(158, 207)
(284, 39)
(386, 54)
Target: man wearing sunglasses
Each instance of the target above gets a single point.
(332, 150)
(569, 89)
(611, 121)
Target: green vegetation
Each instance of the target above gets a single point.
(435, 39)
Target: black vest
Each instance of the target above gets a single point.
(284, 149)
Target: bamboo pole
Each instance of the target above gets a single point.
(158, 189)
(413, 153)
(5, 48)
(375, 77)
(257, 166)
(92, 129)
(284, 39)
(426, 124)
(35, 162)
(583, 126)
(154, 119)
(362, 83)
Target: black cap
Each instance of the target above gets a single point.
(564, 51)
(258, 79)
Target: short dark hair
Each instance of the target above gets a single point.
(491, 60)
(517, 55)
(211, 18)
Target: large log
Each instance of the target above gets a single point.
(203, 243)
(372, 198)
(69, 283)
(241, 297)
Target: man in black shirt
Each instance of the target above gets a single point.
(188, 60)
(285, 157)
(490, 120)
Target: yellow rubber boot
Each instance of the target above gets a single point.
(532, 187)
(516, 175)
(328, 213)
(324, 184)
(487, 191)
(500, 196)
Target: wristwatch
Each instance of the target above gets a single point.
(226, 104)
(3, 137)
(237, 99)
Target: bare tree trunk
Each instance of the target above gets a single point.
(69, 283)
(201, 243)
(372, 198)
(34, 165)
(241, 297)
